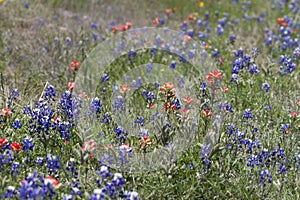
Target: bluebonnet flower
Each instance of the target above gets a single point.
(49, 93)
(219, 30)
(184, 25)
(14, 168)
(253, 161)
(149, 96)
(95, 106)
(6, 157)
(131, 55)
(267, 107)
(13, 95)
(191, 53)
(215, 53)
(131, 195)
(284, 128)
(180, 82)
(287, 65)
(176, 103)
(40, 117)
(95, 36)
(139, 121)
(66, 104)
(104, 78)
(26, 4)
(265, 176)
(190, 32)
(27, 144)
(148, 67)
(75, 189)
(202, 35)
(52, 163)
(71, 167)
(64, 130)
(297, 161)
(106, 118)
(265, 86)
(253, 69)
(118, 180)
(34, 186)
(16, 124)
(282, 169)
(120, 134)
(247, 114)
(98, 194)
(10, 192)
(118, 104)
(153, 50)
(226, 107)
(93, 25)
(104, 172)
(232, 38)
(204, 156)
(39, 160)
(203, 86)
(230, 129)
(222, 21)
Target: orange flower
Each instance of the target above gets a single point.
(74, 65)
(145, 141)
(114, 29)
(155, 21)
(280, 20)
(71, 85)
(123, 28)
(224, 89)
(188, 100)
(124, 88)
(167, 86)
(5, 112)
(128, 24)
(293, 114)
(168, 11)
(53, 181)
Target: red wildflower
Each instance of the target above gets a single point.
(293, 114)
(74, 65)
(128, 24)
(88, 146)
(167, 86)
(123, 28)
(71, 85)
(3, 142)
(114, 29)
(188, 100)
(124, 88)
(53, 181)
(145, 141)
(5, 112)
(155, 21)
(224, 89)
(168, 11)
(15, 147)
(206, 113)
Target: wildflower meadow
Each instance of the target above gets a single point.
(148, 99)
